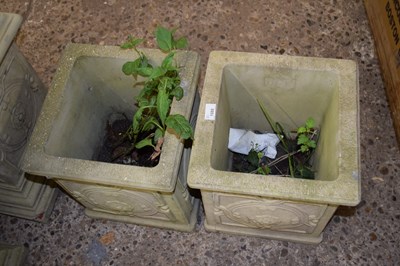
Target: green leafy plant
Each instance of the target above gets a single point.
(257, 160)
(160, 88)
(298, 149)
(305, 136)
(166, 41)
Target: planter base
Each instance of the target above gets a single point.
(12, 255)
(266, 217)
(32, 198)
(269, 234)
(21, 98)
(177, 210)
(187, 227)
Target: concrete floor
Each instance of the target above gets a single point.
(368, 234)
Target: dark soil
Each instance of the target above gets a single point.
(240, 163)
(117, 148)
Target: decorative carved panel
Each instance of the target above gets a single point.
(120, 201)
(21, 97)
(261, 213)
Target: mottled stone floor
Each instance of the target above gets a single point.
(368, 234)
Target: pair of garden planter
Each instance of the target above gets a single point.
(89, 87)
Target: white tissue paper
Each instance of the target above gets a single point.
(242, 141)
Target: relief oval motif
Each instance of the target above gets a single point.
(18, 112)
(117, 201)
(275, 215)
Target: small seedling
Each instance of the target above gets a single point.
(298, 150)
(154, 101)
(257, 160)
(305, 135)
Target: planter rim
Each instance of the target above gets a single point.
(10, 24)
(344, 190)
(37, 161)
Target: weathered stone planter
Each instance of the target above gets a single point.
(12, 255)
(21, 97)
(88, 87)
(292, 89)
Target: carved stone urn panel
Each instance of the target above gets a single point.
(21, 97)
(266, 217)
(12, 255)
(262, 213)
(120, 201)
(173, 210)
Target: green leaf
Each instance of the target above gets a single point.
(252, 158)
(302, 139)
(150, 123)
(180, 125)
(163, 104)
(139, 66)
(263, 170)
(137, 118)
(303, 171)
(157, 72)
(130, 68)
(144, 96)
(153, 100)
(164, 39)
(310, 123)
(177, 92)
(181, 43)
(142, 102)
(260, 171)
(144, 61)
(301, 130)
(144, 143)
(131, 43)
(304, 148)
(167, 62)
(158, 134)
(145, 71)
(312, 144)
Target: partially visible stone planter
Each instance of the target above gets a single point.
(292, 89)
(12, 255)
(21, 97)
(88, 88)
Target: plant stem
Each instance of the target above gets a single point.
(276, 127)
(291, 166)
(159, 126)
(283, 157)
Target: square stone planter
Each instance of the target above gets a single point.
(292, 89)
(88, 88)
(12, 255)
(21, 98)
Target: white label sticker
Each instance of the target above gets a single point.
(211, 109)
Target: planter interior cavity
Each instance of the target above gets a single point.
(292, 89)
(89, 88)
(290, 95)
(89, 102)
